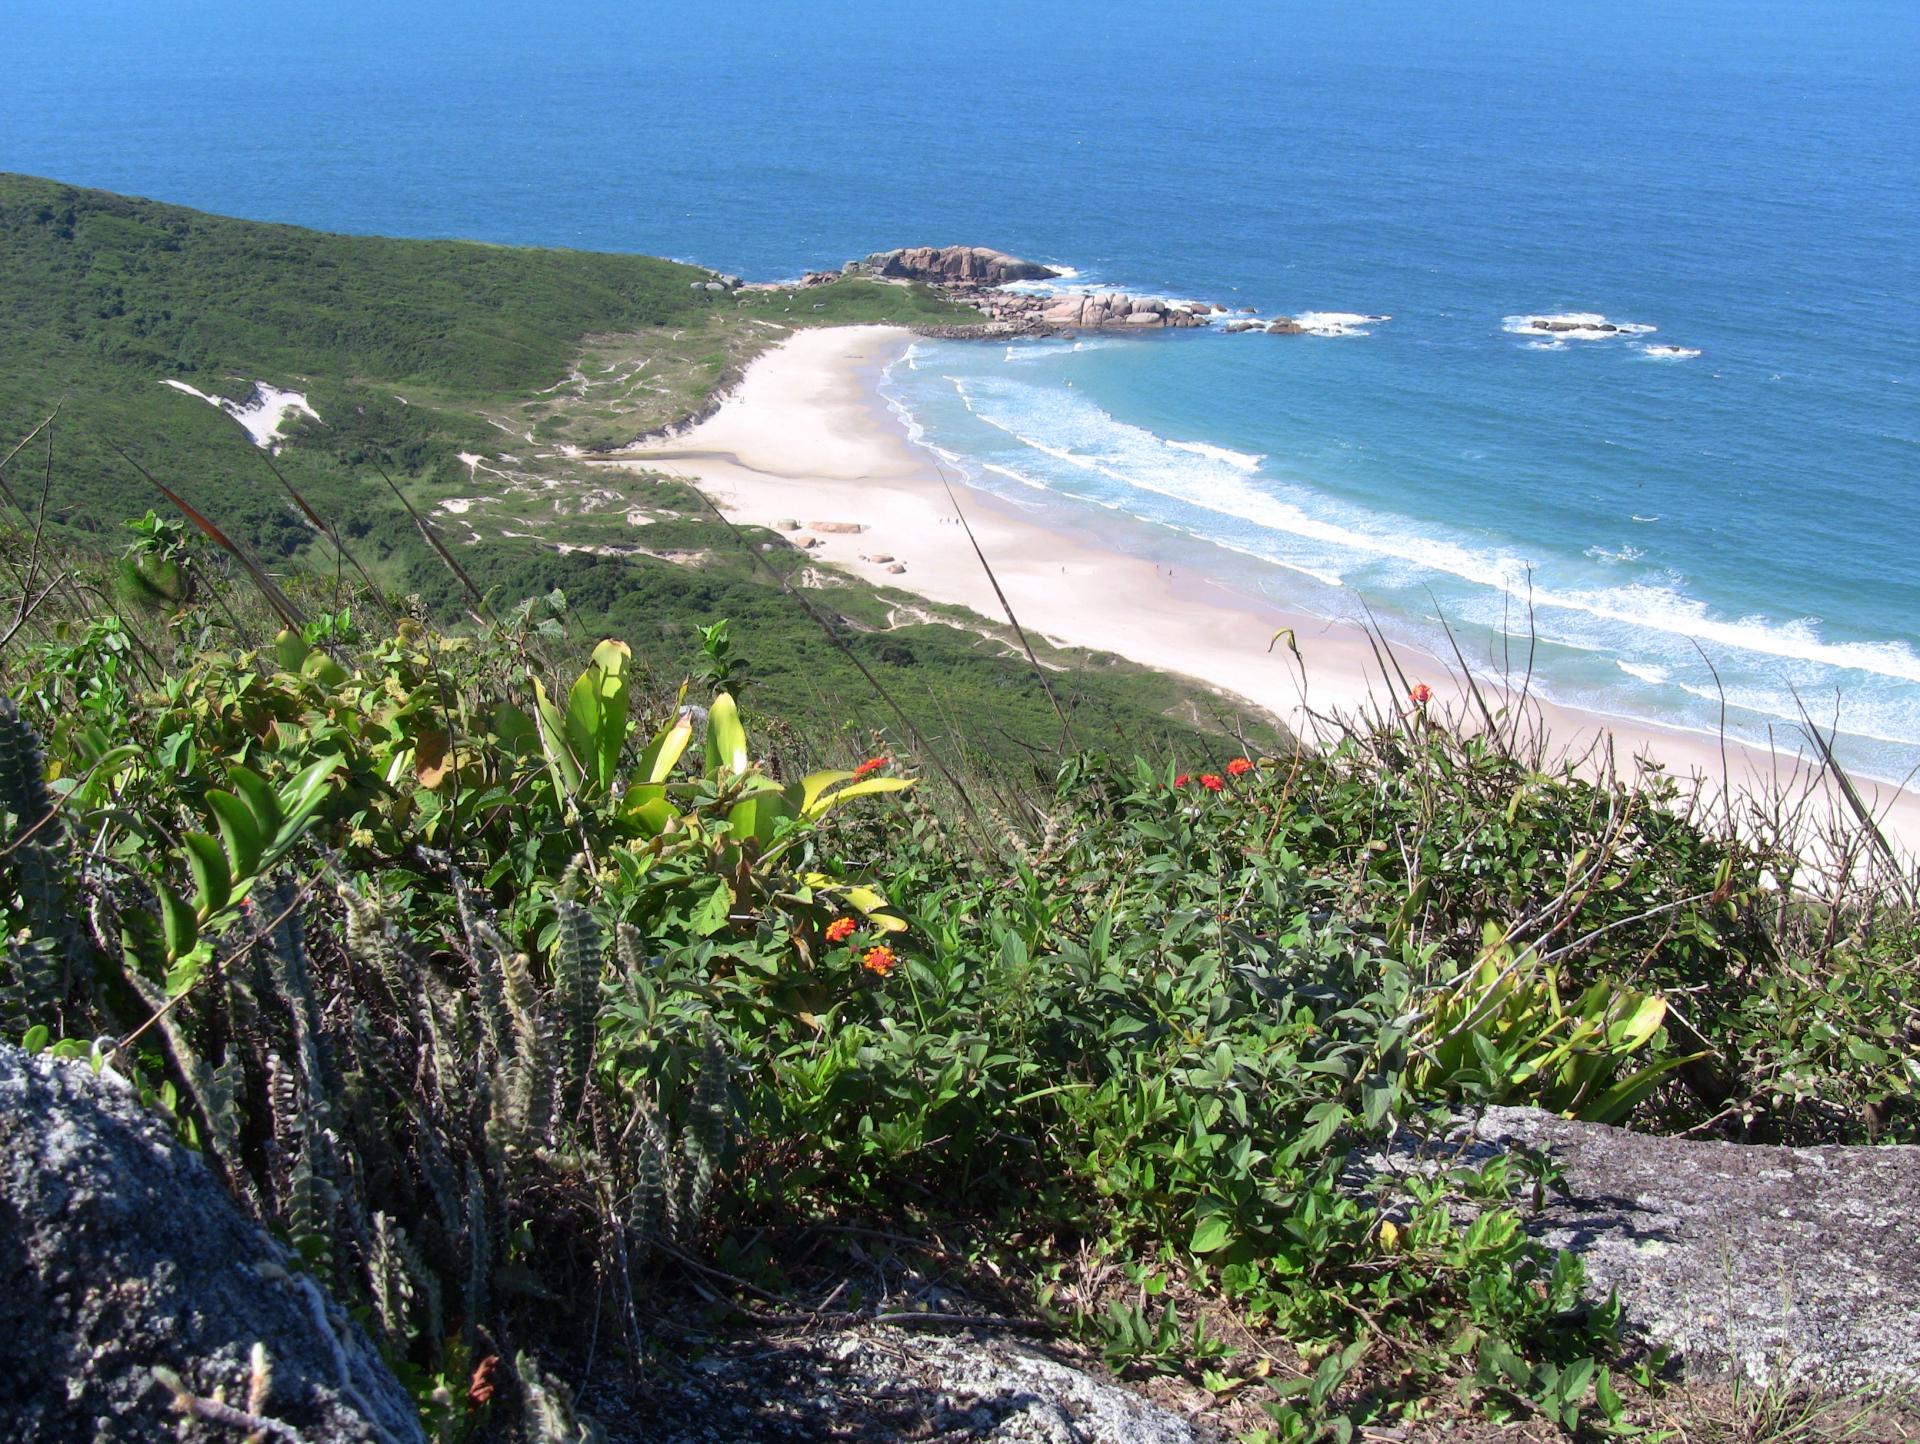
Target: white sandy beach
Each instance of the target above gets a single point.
(806, 437)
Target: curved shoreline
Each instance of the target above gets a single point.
(807, 436)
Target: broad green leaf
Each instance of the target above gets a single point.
(290, 649)
(515, 729)
(865, 787)
(239, 831)
(646, 804)
(596, 720)
(815, 783)
(213, 884)
(1211, 1233)
(726, 738)
(866, 898)
(255, 791)
(182, 929)
(1644, 1023)
(657, 761)
(300, 798)
(711, 915)
(756, 816)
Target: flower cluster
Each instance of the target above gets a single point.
(1421, 694)
(1213, 781)
(872, 764)
(878, 959)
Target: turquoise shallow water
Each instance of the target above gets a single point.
(1742, 177)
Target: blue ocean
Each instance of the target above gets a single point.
(1712, 509)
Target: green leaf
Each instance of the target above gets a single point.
(1213, 1232)
(213, 884)
(300, 798)
(35, 1038)
(258, 795)
(562, 766)
(181, 927)
(657, 761)
(815, 783)
(757, 815)
(238, 830)
(711, 915)
(866, 786)
(726, 738)
(596, 720)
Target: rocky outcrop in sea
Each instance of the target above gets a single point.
(976, 275)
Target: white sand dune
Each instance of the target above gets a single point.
(262, 414)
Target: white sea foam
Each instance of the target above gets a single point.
(1078, 435)
(1338, 323)
(1566, 326)
(262, 414)
(1638, 517)
(1646, 671)
(1240, 460)
(1625, 554)
(1669, 353)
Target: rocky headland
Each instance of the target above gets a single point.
(974, 276)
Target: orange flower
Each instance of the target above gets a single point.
(1212, 781)
(1421, 694)
(1182, 780)
(840, 929)
(480, 1386)
(1239, 767)
(878, 960)
(872, 764)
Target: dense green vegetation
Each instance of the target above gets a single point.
(592, 989)
(413, 352)
(405, 349)
(542, 941)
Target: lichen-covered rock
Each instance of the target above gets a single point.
(887, 1383)
(121, 1255)
(1790, 1266)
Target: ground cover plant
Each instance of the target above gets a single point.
(497, 972)
(539, 899)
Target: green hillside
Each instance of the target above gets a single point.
(412, 352)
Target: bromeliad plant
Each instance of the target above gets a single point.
(739, 839)
(1504, 1030)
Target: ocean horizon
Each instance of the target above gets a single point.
(1611, 347)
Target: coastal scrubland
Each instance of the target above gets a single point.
(417, 354)
(573, 955)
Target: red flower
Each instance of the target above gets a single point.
(1212, 781)
(1239, 767)
(840, 929)
(1182, 780)
(878, 960)
(872, 764)
(1421, 694)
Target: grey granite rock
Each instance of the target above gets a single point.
(1781, 1265)
(888, 1383)
(121, 1254)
